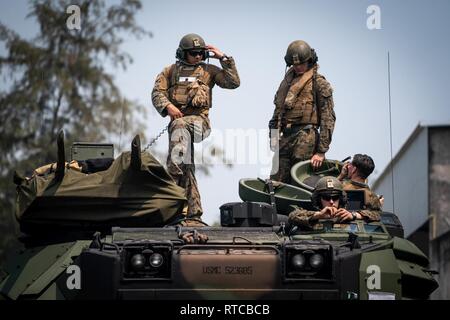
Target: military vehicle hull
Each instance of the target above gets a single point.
(236, 263)
(257, 256)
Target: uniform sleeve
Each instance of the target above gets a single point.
(327, 115)
(370, 215)
(302, 218)
(227, 77)
(273, 123)
(160, 94)
(373, 208)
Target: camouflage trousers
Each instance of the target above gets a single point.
(183, 133)
(293, 147)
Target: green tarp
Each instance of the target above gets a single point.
(122, 195)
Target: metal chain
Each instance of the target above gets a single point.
(156, 138)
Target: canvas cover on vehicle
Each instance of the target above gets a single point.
(126, 194)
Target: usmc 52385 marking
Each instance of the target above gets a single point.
(235, 270)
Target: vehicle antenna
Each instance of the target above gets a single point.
(390, 132)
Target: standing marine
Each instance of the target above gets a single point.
(183, 91)
(304, 113)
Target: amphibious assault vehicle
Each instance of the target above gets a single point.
(112, 231)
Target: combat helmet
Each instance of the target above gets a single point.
(299, 52)
(330, 186)
(191, 41)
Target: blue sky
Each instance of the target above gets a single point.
(257, 33)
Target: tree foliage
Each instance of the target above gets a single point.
(61, 79)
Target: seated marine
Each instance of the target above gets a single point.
(353, 176)
(329, 199)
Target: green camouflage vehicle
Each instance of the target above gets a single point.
(115, 234)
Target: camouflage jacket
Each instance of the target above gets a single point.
(296, 104)
(372, 211)
(302, 217)
(165, 90)
(372, 205)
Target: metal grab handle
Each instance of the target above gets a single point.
(227, 246)
(326, 171)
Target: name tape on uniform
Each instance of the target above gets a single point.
(187, 79)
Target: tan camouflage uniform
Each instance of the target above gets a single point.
(295, 115)
(302, 218)
(189, 88)
(372, 211)
(372, 204)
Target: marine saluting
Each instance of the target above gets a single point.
(184, 92)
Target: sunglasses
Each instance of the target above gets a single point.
(328, 198)
(195, 53)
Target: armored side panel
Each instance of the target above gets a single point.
(392, 224)
(34, 272)
(101, 272)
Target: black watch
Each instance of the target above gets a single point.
(354, 215)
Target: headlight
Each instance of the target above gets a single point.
(316, 261)
(156, 260)
(137, 262)
(298, 261)
(150, 261)
(308, 260)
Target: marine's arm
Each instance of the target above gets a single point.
(344, 172)
(273, 123)
(227, 77)
(301, 217)
(305, 218)
(370, 215)
(373, 208)
(327, 114)
(160, 93)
